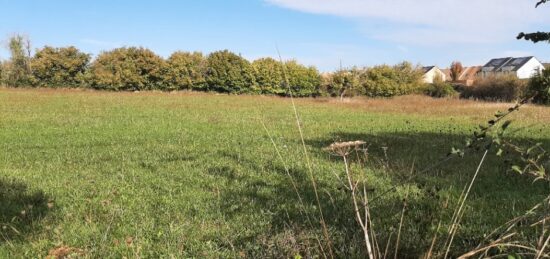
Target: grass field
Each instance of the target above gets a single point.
(196, 175)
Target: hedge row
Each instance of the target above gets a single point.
(135, 69)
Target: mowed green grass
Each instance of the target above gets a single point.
(196, 175)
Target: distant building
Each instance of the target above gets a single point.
(522, 68)
(469, 75)
(431, 73)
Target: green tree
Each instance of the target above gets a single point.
(535, 36)
(228, 72)
(269, 76)
(186, 70)
(128, 69)
(539, 86)
(303, 81)
(345, 82)
(59, 67)
(2, 72)
(18, 67)
(388, 81)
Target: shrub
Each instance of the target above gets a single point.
(128, 69)
(496, 88)
(344, 82)
(439, 89)
(229, 73)
(18, 72)
(186, 70)
(2, 73)
(55, 67)
(539, 86)
(388, 81)
(303, 81)
(269, 76)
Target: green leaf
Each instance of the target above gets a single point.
(506, 124)
(499, 152)
(517, 169)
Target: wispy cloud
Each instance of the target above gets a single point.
(431, 22)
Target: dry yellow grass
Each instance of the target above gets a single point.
(411, 105)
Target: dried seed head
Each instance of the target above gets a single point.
(344, 148)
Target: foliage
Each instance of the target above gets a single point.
(59, 67)
(439, 88)
(388, 81)
(186, 70)
(539, 86)
(269, 76)
(2, 72)
(18, 69)
(456, 70)
(344, 82)
(303, 81)
(496, 88)
(130, 69)
(228, 72)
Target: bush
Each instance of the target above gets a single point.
(128, 69)
(186, 71)
(344, 82)
(2, 73)
(229, 73)
(388, 81)
(303, 81)
(17, 69)
(440, 89)
(496, 88)
(269, 76)
(59, 67)
(539, 86)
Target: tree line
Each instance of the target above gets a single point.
(138, 68)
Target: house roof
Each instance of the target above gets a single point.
(505, 64)
(447, 72)
(428, 69)
(469, 73)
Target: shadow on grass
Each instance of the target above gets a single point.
(20, 210)
(497, 196)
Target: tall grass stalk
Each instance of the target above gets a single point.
(306, 155)
(294, 184)
(455, 224)
(401, 223)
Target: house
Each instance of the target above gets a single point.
(467, 77)
(431, 73)
(522, 68)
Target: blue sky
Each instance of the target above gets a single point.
(315, 32)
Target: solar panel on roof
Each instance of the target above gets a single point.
(518, 61)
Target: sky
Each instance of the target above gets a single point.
(323, 33)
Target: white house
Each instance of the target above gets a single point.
(522, 68)
(431, 73)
